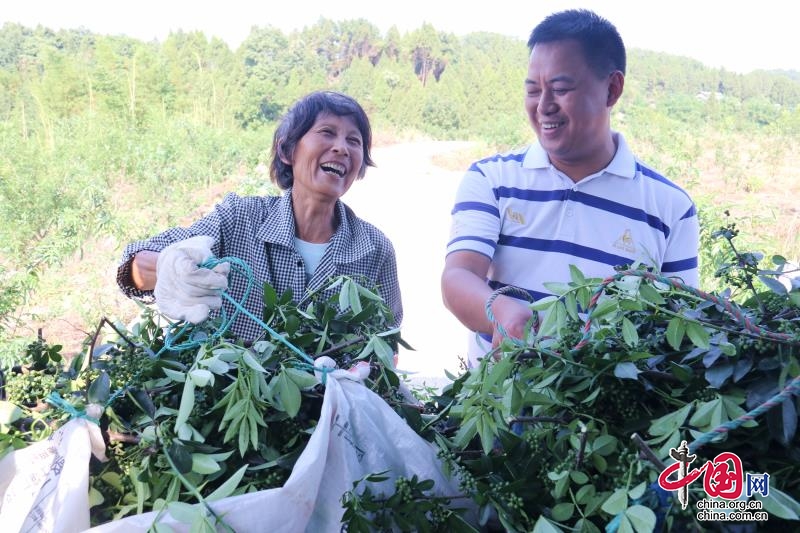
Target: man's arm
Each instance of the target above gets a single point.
(465, 292)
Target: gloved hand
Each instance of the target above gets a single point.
(184, 290)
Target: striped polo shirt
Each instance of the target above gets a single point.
(534, 222)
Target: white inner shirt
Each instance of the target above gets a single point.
(311, 252)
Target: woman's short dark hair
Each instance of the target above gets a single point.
(601, 42)
(299, 119)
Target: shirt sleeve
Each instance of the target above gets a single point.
(208, 225)
(475, 218)
(389, 284)
(681, 257)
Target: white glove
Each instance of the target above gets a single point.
(184, 290)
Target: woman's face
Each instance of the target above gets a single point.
(328, 158)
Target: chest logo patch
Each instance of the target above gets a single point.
(625, 242)
(514, 216)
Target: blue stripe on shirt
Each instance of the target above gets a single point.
(679, 266)
(531, 194)
(587, 199)
(622, 210)
(564, 247)
(475, 206)
(488, 242)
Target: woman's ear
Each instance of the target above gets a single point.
(616, 83)
(286, 158)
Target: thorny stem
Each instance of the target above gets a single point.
(748, 278)
(647, 451)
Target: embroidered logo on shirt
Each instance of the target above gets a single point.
(625, 242)
(515, 216)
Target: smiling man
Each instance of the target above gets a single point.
(578, 196)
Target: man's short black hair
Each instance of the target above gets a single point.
(601, 42)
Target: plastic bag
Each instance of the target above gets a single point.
(357, 434)
(45, 486)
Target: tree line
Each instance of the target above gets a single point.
(83, 114)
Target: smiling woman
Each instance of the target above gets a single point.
(295, 242)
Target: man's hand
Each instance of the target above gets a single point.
(513, 316)
(184, 290)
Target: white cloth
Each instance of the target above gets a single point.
(185, 290)
(358, 434)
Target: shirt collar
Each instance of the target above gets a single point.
(349, 243)
(623, 164)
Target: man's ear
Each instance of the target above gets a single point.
(616, 84)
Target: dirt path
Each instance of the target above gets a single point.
(409, 199)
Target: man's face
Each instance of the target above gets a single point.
(569, 107)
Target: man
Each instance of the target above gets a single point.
(577, 196)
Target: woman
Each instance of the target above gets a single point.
(296, 241)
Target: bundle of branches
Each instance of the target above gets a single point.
(191, 415)
(570, 428)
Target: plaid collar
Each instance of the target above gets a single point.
(349, 243)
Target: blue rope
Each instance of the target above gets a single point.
(56, 400)
(195, 340)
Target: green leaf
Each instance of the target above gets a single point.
(543, 304)
(698, 335)
(383, 351)
(344, 297)
(543, 525)
(468, 429)
(616, 503)
(304, 380)
(100, 389)
(227, 488)
(557, 288)
(626, 370)
(289, 395)
(215, 365)
(180, 457)
(270, 299)
(576, 275)
(174, 375)
(9, 413)
(702, 416)
(204, 464)
(675, 331)
(250, 361)
(355, 301)
(780, 504)
(629, 333)
(604, 445)
(642, 518)
(669, 423)
(562, 512)
(187, 403)
(182, 512)
(604, 307)
(571, 304)
(201, 377)
(649, 293)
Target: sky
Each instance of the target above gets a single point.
(735, 35)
